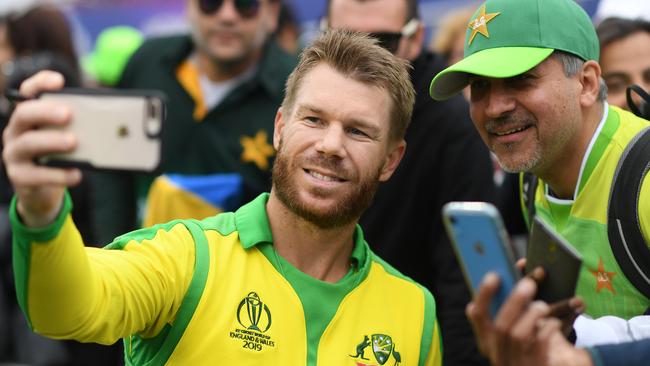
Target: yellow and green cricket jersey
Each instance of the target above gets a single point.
(583, 221)
(214, 292)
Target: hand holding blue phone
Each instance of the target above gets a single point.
(482, 246)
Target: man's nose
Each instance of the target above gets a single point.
(500, 101)
(331, 141)
(227, 10)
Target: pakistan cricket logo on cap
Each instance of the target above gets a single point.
(479, 24)
(255, 318)
(382, 349)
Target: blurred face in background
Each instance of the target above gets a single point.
(378, 16)
(6, 53)
(232, 32)
(625, 62)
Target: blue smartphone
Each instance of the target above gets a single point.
(481, 244)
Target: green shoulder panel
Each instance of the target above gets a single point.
(429, 310)
(223, 223)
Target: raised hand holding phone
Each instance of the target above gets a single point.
(117, 130)
(39, 189)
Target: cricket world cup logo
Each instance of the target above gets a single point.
(253, 314)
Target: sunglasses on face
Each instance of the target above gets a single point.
(390, 40)
(387, 40)
(245, 8)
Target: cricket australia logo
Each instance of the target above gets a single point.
(382, 348)
(255, 318)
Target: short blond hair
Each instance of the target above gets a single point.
(358, 56)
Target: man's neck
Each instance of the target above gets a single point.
(562, 174)
(224, 71)
(321, 253)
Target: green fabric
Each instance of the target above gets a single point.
(604, 138)
(21, 252)
(157, 350)
(516, 36)
(590, 238)
(320, 300)
(113, 48)
(560, 212)
(139, 351)
(139, 235)
(429, 327)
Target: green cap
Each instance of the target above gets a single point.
(113, 48)
(508, 37)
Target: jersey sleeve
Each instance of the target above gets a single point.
(69, 291)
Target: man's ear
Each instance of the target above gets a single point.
(393, 159)
(590, 81)
(414, 44)
(277, 128)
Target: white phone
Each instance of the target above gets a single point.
(116, 129)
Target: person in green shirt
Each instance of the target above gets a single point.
(539, 102)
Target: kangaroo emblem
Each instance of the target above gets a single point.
(361, 348)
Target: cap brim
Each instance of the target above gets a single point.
(501, 62)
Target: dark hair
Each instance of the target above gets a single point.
(43, 28)
(412, 11)
(612, 29)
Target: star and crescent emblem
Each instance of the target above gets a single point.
(257, 150)
(603, 278)
(479, 24)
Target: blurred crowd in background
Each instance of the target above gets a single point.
(91, 41)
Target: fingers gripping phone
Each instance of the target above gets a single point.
(115, 130)
(481, 244)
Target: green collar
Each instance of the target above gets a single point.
(253, 226)
(597, 146)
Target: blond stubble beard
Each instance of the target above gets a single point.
(348, 209)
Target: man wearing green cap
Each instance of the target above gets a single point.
(539, 103)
